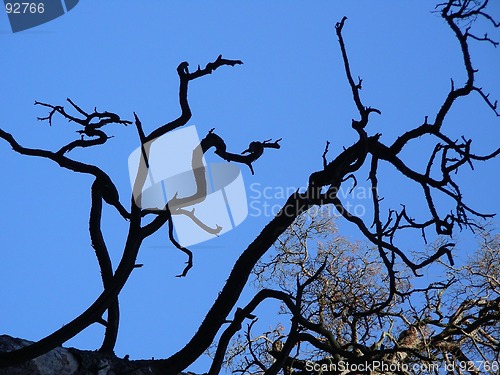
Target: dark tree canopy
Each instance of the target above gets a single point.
(332, 317)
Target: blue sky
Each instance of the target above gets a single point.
(122, 56)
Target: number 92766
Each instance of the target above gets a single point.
(23, 8)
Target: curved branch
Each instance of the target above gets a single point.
(101, 251)
(185, 77)
(95, 311)
(254, 150)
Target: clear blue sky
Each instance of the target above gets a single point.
(122, 56)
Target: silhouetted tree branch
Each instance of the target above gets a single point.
(338, 171)
(333, 314)
(104, 189)
(450, 323)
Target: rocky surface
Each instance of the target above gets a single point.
(71, 361)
